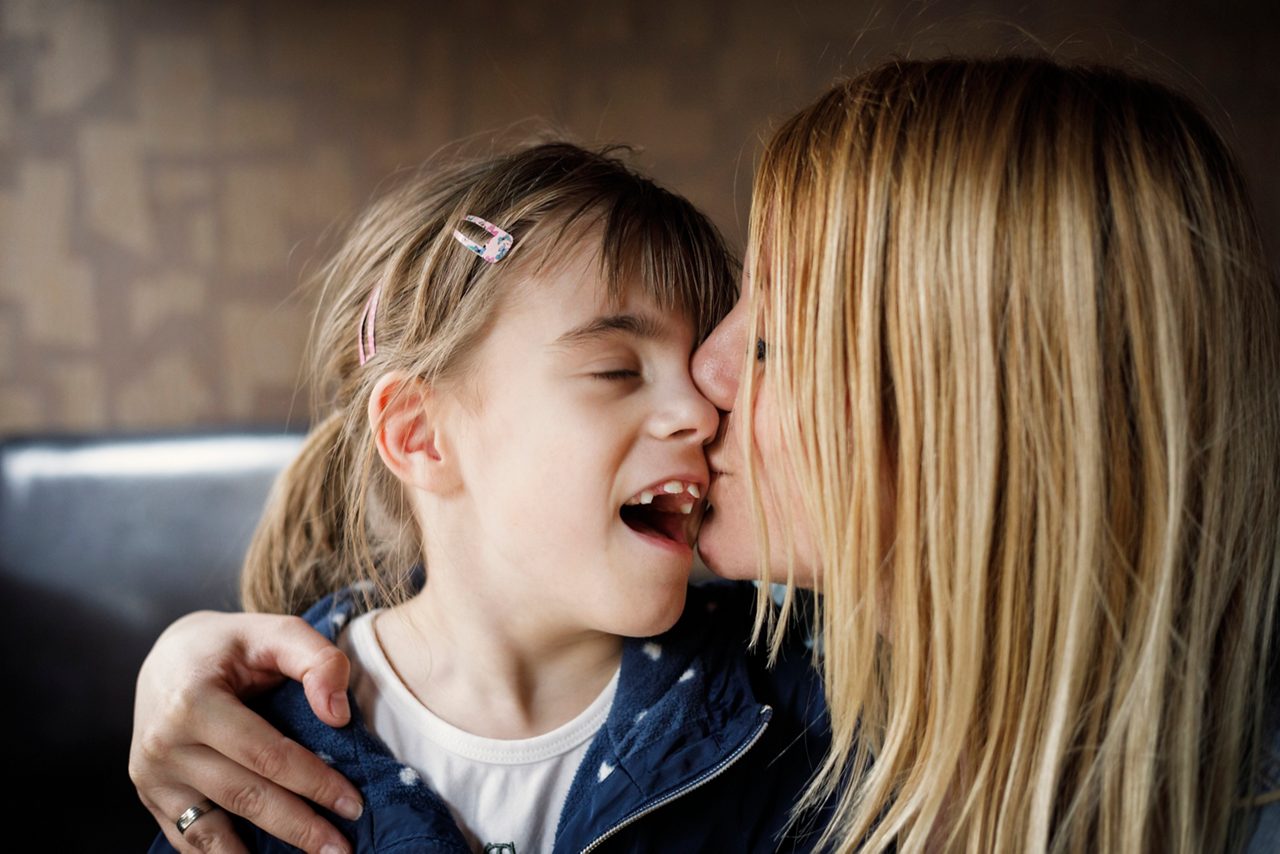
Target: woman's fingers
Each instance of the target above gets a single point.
(255, 747)
(297, 651)
(212, 833)
(238, 790)
(194, 738)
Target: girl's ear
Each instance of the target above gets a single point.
(405, 418)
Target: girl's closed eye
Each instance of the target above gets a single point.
(617, 374)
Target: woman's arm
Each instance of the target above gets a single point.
(193, 737)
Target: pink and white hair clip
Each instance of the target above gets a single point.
(495, 249)
(364, 340)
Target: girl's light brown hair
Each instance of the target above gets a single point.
(336, 515)
(1021, 311)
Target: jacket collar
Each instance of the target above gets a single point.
(684, 709)
(390, 788)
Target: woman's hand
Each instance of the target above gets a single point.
(193, 738)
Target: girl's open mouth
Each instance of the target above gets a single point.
(650, 519)
(664, 511)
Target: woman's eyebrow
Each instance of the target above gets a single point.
(637, 325)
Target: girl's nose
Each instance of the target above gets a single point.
(689, 416)
(717, 364)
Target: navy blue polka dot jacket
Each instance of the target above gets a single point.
(705, 748)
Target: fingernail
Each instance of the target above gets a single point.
(330, 848)
(338, 706)
(349, 808)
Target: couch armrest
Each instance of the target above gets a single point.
(103, 543)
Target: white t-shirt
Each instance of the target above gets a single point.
(501, 791)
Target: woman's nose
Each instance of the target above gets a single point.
(717, 364)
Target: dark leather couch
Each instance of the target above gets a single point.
(104, 542)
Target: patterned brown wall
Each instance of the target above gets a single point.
(167, 169)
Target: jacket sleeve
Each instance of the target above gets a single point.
(161, 846)
(1266, 833)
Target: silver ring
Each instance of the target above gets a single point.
(193, 814)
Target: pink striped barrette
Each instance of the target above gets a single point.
(365, 341)
(495, 248)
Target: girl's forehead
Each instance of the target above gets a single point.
(578, 298)
(614, 263)
(581, 280)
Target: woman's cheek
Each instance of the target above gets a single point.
(791, 542)
(727, 541)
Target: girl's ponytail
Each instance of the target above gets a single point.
(293, 559)
(333, 518)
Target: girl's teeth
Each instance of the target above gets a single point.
(671, 487)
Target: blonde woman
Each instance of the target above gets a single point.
(1002, 385)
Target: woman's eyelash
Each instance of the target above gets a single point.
(761, 349)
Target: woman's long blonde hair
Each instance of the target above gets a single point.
(1021, 311)
(337, 515)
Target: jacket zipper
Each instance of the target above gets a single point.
(706, 777)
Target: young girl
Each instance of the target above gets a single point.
(504, 352)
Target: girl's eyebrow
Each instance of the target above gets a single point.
(637, 325)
